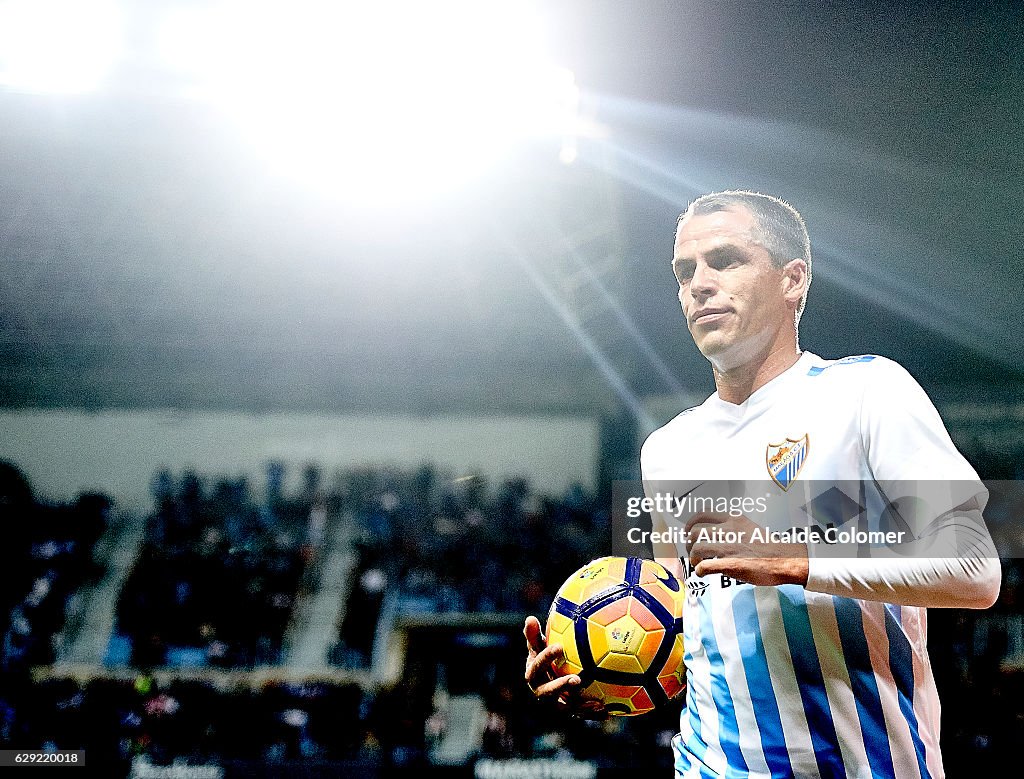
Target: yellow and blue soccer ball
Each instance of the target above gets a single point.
(620, 623)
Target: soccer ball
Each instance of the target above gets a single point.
(620, 623)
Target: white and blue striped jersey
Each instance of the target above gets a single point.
(785, 681)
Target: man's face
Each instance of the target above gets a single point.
(729, 289)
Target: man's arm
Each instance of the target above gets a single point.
(747, 561)
(959, 568)
(968, 576)
(935, 492)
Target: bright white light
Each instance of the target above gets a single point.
(58, 45)
(377, 99)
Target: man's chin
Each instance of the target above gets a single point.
(713, 347)
(726, 354)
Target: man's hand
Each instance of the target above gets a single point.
(563, 692)
(743, 559)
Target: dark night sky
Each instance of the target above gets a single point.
(150, 262)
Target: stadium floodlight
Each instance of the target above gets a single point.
(376, 99)
(65, 46)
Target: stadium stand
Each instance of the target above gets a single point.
(47, 558)
(216, 580)
(418, 672)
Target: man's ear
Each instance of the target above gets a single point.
(794, 280)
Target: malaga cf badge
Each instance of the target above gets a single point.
(786, 459)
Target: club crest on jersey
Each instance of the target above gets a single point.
(784, 460)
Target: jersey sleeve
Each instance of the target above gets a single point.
(903, 437)
(936, 492)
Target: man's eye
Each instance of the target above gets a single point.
(684, 272)
(726, 259)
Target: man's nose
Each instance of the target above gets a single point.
(704, 283)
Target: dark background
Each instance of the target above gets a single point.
(151, 260)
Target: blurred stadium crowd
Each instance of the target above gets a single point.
(220, 579)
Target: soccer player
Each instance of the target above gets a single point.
(798, 664)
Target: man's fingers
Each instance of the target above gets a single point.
(707, 551)
(706, 567)
(534, 635)
(736, 567)
(556, 687)
(704, 519)
(780, 570)
(592, 710)
(541, 667)
(561, 691)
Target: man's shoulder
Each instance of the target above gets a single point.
(857, 370)
(685, 423)
(852, 367)
(869, 382)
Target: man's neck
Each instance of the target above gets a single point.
(737, 384)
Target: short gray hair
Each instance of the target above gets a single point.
(780, 228)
